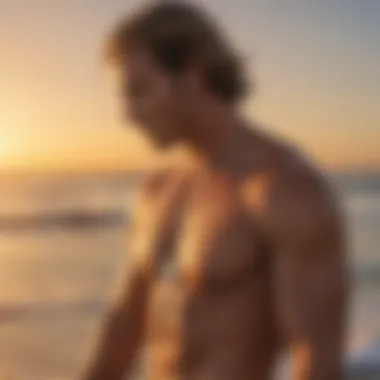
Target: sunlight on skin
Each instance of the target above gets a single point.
(255, 191)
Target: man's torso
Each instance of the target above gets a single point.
(209, 312)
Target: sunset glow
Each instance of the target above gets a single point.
(5, 150)
(316, 65)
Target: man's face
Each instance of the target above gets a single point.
(153, 100)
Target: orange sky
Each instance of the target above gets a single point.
(316, 66)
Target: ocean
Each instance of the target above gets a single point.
(63, 252)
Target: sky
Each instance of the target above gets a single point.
(316, 64)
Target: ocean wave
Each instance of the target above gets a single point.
(51, 311)
(68, 219)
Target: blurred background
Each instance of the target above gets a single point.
(68, 165)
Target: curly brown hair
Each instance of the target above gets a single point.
(176, 33)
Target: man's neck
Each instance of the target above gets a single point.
(215, 140)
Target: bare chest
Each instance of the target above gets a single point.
(209, 240)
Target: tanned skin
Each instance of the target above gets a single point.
(234, 258)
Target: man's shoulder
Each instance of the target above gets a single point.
(292, 195)
(155, 181)
(156, 184)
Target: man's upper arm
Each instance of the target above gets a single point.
(137, 247)
(310, 274)
(123, 328)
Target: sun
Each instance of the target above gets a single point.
(5, 149)
(7, 152)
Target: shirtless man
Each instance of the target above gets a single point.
(236, 257)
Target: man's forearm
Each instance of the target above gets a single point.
(116, 351)
(122, 333)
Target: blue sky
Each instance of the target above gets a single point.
(316, 63)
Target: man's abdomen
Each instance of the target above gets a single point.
(209, 336)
